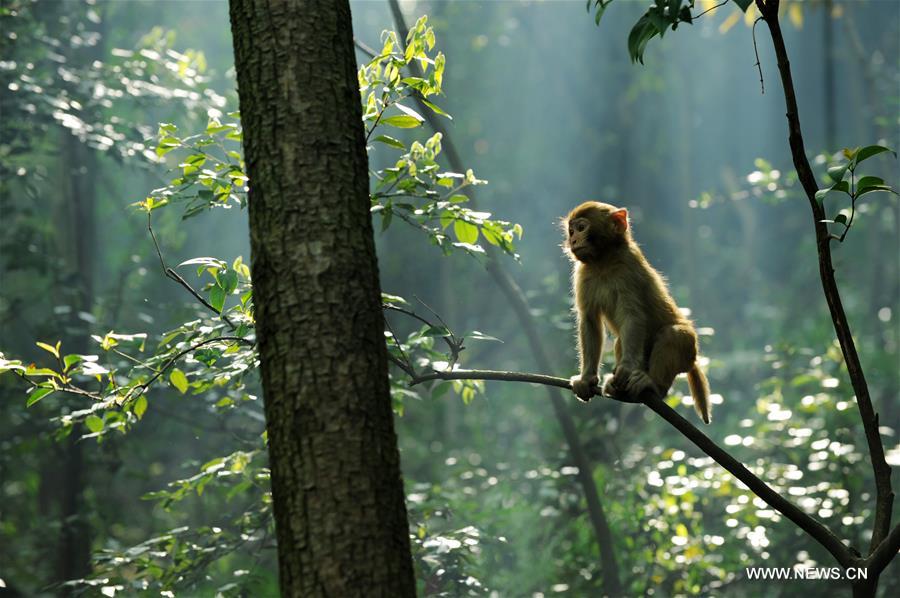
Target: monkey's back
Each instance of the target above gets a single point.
(625, 286)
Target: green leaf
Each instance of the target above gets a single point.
(385, 139)
(842, 186)
(179, 380)
(480, 336)
(228, 281)
(642, 32)
(140, 406)
(436, 331)
(743, 4)
(94, 423)
(601, 8)
(37, 394)
(840, 219)
(656, 17)
(48, 348)
(868, 181)
(388, 298)
(386, 218)
(465, 232)
(70, 360)
(875, 188)
(436, 109)
(217, 298)
(871, 150)
(837, 172)
(402, 121)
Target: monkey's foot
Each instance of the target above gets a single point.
(638, 382)
(584, 388)
(612, 386)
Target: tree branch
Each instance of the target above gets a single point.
(884, 497)
(885, 552)
(817, 530)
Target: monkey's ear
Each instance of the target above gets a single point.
(620, 218)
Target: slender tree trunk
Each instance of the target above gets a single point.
(79, 223)
(338, 495)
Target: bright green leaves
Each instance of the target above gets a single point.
(225, 280)
(465, 232)
(852, 186)
(402, 121)
(390, 141)
(383, 85)
(53, 350)
(94, 424)
(178, 380)
(417, 191)
(211, 170)
(37, 393)
(140, 407)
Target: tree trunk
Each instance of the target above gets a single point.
(338, 494)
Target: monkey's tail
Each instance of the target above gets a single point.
(700, 392)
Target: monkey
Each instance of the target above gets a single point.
(616, 287)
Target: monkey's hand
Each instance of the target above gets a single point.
(613, 387)
(584, 388)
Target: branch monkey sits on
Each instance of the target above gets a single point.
(616, 287)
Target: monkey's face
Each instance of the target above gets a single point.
(578, 239)
(592, 229)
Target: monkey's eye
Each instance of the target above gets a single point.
(580, 227)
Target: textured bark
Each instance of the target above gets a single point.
(338, 495)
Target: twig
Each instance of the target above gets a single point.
(710, 9)
(364, 48)
(143, 387)
(758, 66)
(409, 369)
(173, 275)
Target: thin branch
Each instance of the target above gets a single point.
(364, 48)
(408, 368)
(172, 360)
(884, 496)
(758, 66)
(884, 552)
(818, 531)
(710, 9)
(173, 275)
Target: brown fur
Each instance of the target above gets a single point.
(615, 286)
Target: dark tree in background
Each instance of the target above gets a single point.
(338, 495)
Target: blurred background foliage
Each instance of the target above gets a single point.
(550, 111)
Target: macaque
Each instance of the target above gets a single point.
(615, 286)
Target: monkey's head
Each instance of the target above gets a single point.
(592, 229)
